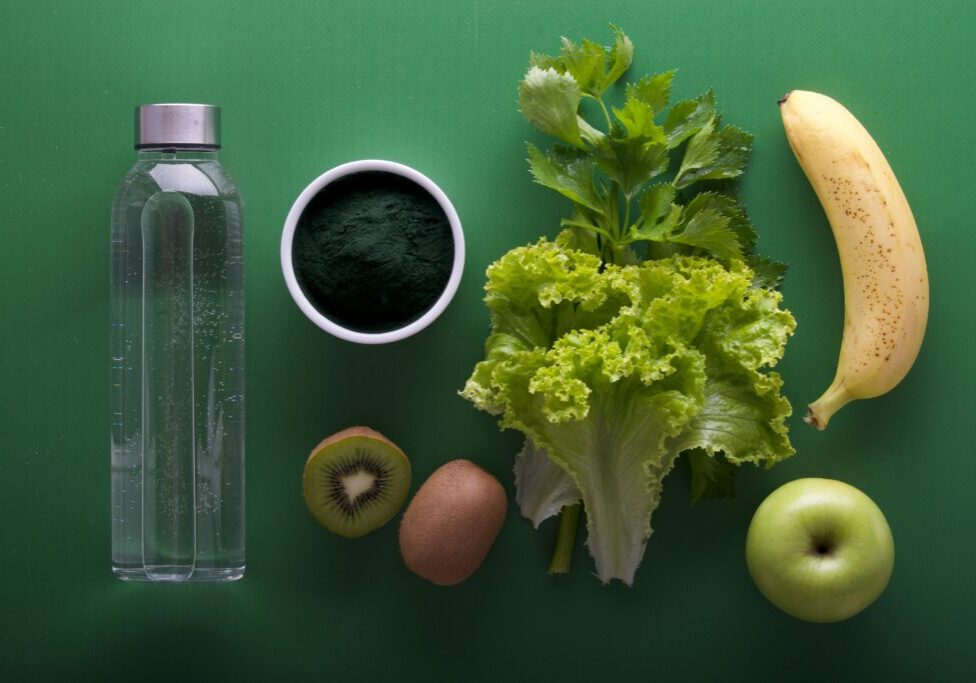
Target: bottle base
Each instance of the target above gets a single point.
(196, 576)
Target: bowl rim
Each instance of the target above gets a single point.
(291, 223)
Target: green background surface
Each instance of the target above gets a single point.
(305, 86)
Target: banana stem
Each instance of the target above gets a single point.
(821, 410)
(562, 554)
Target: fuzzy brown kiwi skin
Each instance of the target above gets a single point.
(346, 433)
(352, 431)
(452, 522)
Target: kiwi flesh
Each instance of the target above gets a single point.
(355, 481)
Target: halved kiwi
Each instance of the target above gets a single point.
(355, 481)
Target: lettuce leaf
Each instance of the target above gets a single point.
(542, 488)
(648, 328)
(613, 371)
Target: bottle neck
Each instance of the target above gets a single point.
(177, 154)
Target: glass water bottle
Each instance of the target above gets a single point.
(177, 328)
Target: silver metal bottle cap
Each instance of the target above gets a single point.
(178, 125)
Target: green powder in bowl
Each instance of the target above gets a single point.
(373, 251)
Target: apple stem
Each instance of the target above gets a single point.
(562, 554)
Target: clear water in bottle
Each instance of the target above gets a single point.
(177, 297)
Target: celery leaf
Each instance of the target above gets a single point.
(620, 57)
(637, 118)
(631, 162)
(688, 117)
(656, 202)
(714, 155)
(586, 63)
(549, 100)
(767, 273)
(569, 174)
(712, 476)
(654, 91)
(708, 230)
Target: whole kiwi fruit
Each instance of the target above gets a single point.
(355, 481)
(451, 523)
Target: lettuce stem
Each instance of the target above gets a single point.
(562, 554)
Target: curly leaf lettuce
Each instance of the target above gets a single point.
(614, 371)
(542, 488)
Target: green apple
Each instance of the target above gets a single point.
(820, 549)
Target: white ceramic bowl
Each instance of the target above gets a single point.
(288, 235)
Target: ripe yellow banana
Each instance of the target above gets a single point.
(886, 284)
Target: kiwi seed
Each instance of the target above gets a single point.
(355, 481)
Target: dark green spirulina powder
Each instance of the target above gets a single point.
(373, 251)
